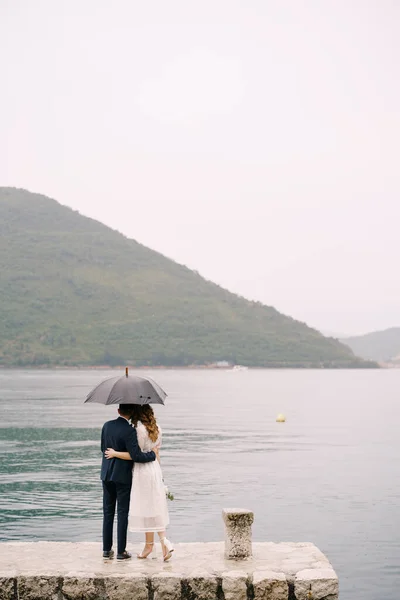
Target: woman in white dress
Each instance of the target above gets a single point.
(148, 510)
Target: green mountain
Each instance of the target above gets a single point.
(382, 346)
(75, 292)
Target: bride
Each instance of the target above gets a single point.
(148, 505)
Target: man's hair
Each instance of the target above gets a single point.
(126, 409)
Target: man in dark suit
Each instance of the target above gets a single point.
(116, 475)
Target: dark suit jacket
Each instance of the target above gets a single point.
(121, 436)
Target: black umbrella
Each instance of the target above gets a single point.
(127, 389)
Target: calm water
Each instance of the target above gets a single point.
(329, 475)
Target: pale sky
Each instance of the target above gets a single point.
(255, 141)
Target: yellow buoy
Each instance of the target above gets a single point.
(280, 418)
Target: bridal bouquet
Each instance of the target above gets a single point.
(168, 493)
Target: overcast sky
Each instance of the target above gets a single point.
(256, 141)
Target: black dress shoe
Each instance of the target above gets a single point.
(124, 556)
(108, 554)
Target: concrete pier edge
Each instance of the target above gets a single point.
(235, 570)
(198, 571)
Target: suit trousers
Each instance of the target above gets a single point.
(115, 494)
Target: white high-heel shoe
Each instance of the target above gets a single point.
(170, 548)
(152, 554)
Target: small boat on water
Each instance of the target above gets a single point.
(239, 368)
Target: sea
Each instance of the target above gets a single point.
(330, 474)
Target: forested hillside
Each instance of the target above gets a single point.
(75, 292)
(383, 346)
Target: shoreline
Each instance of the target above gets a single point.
(191, 368)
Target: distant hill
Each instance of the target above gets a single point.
(75, 292)
(382, 346)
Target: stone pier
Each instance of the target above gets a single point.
(236, 570)
(67, 571)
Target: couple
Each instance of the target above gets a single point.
(132, 481)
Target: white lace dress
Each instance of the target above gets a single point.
(148, 508)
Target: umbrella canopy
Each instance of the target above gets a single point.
(128, 389)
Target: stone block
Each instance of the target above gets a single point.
(269, 585)
(7, 587)
(201, 586)
(316, 584)
(166, 586)
(238, 522)
(38, 587)
(134, 586)
(79, 587)
(234, 585)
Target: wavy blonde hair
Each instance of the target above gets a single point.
(145, 415)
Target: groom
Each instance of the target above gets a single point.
(116, 475)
